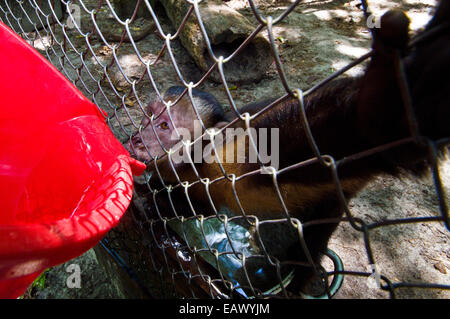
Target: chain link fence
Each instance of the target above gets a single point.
(124, 54)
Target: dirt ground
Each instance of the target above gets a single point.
(314, 40)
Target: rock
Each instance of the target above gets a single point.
(440, 267)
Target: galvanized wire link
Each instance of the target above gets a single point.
(163, 243)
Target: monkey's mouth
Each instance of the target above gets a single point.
(138, 150)
(142, 152)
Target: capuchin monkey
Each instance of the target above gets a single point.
(155, 138)
(346, 116)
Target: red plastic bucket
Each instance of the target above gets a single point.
(65, 180)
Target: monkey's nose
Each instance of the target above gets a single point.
(133, 144)
(136, 140)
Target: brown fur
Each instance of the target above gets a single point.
(346, 116)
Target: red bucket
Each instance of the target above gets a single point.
(65, 180)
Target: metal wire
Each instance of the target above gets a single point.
(154, 255)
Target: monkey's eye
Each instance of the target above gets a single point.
(164, 126)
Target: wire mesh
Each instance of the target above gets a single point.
(117, 55)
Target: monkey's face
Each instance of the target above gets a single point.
(160, 131)
(155, 136)
(162, 128)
